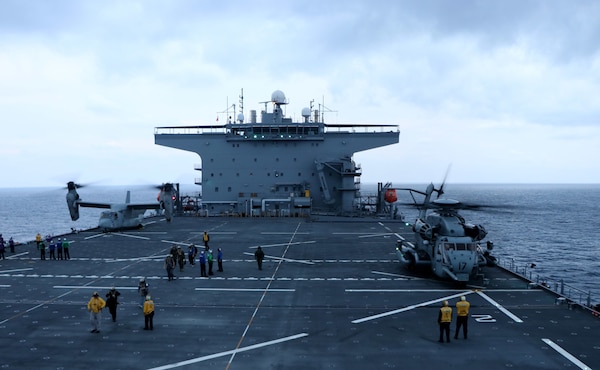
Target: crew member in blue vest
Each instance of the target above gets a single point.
(202, 261)
(220, 260)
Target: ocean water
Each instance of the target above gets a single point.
(551, 226)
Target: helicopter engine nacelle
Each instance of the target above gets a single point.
(476, 232)
(167, 198)
(72, 201)
(423, 228)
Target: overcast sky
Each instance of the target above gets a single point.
(503, 91)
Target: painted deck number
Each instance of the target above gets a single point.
(483, 318)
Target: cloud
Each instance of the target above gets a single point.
(505, 91)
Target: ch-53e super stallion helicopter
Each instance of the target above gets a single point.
(444, 241)
(125, 215)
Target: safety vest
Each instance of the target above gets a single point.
(96, 304)
(446, 314)
(462, 308)
(148, 307)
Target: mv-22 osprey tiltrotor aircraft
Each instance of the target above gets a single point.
(444, 241)
(122, 215)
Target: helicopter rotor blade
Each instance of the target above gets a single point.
(441, 189)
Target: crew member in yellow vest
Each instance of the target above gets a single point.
(206, 239)
(149, 313)
(444, 319)
(95, 306)
(462, 316)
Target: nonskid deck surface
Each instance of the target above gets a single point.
(331, 295)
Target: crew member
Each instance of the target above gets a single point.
(42, 248)
(462, 316)
(205, 239)
(444, 319)
(66, 245)
(95, 306)
(259, 255)
(148, 314)
(202, 261)
(112, 300)
(1, 247)
(220, 260)
(143, 289)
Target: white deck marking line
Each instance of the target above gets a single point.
(566, 354)
(216, 232)
(498, 306)
(94, 236)
(374, 317)
(262, 297)
(145, 259)
(399, 236)
(281, 233)
(132, 236)
(242, 290)
(403, 291)
(97, 287)
(233, 351)
(397, 275)
(283, 259)
(5, 286)
(374, 235)
(282, 244)
(176, 243)
(16, 255)
(14, 270)
(350, 233)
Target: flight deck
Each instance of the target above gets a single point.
(331, 295)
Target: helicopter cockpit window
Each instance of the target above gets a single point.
(450, 246)
(460, 246)
(107, 215)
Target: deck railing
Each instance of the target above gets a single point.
(571, 292)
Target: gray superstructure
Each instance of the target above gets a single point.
(277, 166)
